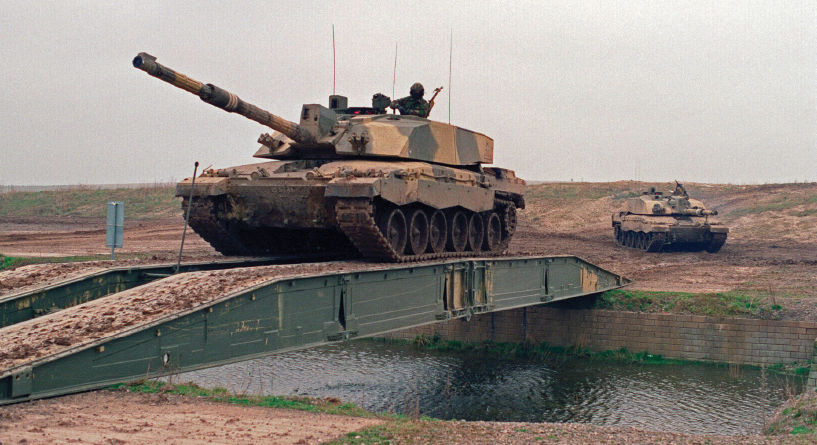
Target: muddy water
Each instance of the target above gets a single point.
(470, 386)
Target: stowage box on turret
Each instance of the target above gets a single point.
(655, 221)
(392, 187)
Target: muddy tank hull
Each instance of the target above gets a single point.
(390, 211)
(668, 233)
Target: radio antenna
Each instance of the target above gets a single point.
(334, 74)
(394, 77)
(450, 53)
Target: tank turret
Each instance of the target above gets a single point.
(656, 221)
(386, 186)
(341, 132)
(656, 203)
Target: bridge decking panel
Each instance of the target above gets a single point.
(256, 316)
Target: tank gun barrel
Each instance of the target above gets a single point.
(699, 212)
(221, 98)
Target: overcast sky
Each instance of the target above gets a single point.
(712, 91)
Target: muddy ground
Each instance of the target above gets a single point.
(770, 252)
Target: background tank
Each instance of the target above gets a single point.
(390, 187)
(654, 221)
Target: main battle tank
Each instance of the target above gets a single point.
(392, 187)
(655, 221)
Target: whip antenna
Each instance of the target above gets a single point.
(333, 59)
(450, 52)
(394, 77)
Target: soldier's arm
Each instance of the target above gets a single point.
(422, 109)
(399, 105)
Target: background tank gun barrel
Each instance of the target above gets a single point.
(699, 212)
(223, 99)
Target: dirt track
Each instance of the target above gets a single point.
(106, 417)
(59, 237)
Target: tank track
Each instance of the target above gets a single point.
(356, 219)
(235, 238)
(204, 222)
(718, 239)
(655, 242)
(649, 242)
(508, 215)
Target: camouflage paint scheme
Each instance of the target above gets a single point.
(391, 177)
(654, 221)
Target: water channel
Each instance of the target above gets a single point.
(400, 378)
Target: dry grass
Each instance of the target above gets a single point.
(147, 202)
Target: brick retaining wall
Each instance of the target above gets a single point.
(692, 337)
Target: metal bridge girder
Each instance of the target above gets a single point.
(295, 313)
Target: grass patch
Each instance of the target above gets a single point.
(568, 191)
(86, 202)
(717, 304)
(7, 262)
(574, 191)
(384, 434)
(798, 417)
(781, 203)
(328, 405)
(396, 425)
(804, 213)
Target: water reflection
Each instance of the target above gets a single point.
(470, 386)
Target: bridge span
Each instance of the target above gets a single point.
(275, 315)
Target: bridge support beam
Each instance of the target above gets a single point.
(302, 312)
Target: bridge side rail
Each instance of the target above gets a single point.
(21, 306)
(303, 312)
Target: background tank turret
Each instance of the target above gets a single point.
(656, 221)
(390, 187)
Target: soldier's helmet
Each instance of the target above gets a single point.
(417, 90)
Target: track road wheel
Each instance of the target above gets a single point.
(618, 235)
(508, 222)
(642, 241)
(393, 227)
(656, 242)
(418, 232)
(718, 239)
(437, 232)
(476, 232)
(458, 235)
(493, 232)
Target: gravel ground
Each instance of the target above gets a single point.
(514, 433)
(106, 417)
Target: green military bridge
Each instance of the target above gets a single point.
(279, 315)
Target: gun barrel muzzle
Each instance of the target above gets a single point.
(221, 98)
(148, 64)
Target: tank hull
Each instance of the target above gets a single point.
(668, 233)
(392, 211)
